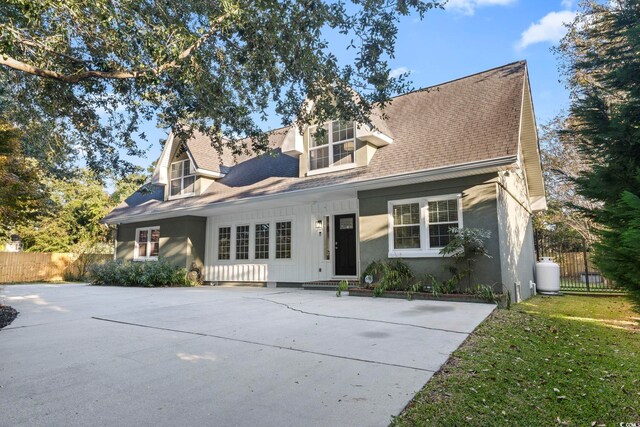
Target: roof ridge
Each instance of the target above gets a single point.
(521, 61)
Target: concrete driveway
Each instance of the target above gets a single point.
(82, 355)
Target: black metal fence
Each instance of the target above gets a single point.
(573, 254)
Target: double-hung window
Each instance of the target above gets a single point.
(283, 240)
(262, 241)
(147, 243)
(224, 243)
(421, 227)
(183, 179)
(242, 242)
(333, 146)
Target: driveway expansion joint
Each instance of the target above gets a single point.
(279, 347)
(361, 319)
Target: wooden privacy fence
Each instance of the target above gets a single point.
(35, 267)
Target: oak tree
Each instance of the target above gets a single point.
(84, 74)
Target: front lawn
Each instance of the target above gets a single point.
(572, 360)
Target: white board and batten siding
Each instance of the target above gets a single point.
(307, 263)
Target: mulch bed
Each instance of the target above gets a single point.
(7, 314)
(361, 292)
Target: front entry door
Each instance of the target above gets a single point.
(345, 245)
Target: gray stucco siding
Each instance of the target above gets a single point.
(182, 240)
(479, 210)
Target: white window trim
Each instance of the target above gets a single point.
(331, 143)
(252, 252)
(217, 243)
(136, 256)
(250, 255)
(424, 251)
(252, 249)
(191, 169)
(275, 246)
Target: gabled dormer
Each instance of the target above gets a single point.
(188, 168)
(339, 145)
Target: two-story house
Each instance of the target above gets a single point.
(460, 154)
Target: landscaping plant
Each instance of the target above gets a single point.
(343, 286)
(392, 275)
(147, 274)
(465, 247)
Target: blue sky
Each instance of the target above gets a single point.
(468, 37)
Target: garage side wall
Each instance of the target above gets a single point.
(181, 240)
(479, 210)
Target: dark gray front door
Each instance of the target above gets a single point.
(345, 245)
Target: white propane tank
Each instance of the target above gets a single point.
(548, 274)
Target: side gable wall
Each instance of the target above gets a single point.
(515, 224)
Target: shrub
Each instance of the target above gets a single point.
(147, 273)
(343, 286)
(388, 276)
(466, 246)
(448, 286)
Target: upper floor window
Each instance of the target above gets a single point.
(334, 146)
(182, 178)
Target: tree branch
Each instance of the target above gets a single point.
(15, 64)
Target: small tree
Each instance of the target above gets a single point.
(466, 246)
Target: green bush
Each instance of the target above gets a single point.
(392, 275)
(147, 274)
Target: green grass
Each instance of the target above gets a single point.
(572, 360)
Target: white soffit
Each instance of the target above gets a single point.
(374, 137)
(292, 145)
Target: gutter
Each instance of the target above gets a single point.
(426, 175)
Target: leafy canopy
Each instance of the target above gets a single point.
(22, 195)
(84, 74)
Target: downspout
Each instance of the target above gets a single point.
(115, 242)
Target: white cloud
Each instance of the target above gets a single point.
(551, 28)
(468, 7)
(567, 4)
(397, 71)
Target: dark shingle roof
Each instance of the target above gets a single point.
(471, 119)
(206, 156)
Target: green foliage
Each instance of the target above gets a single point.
(128, 185)
(72, 220)
(601, 56)
(394, 275)
(79, 73)
(343, 286)
(22, 195)
(147, 274)
(447, 286)
(413, 288)
(618, 251)
(487, 293)
(466, 246)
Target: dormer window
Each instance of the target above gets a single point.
(336, 147)
(182, 179)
